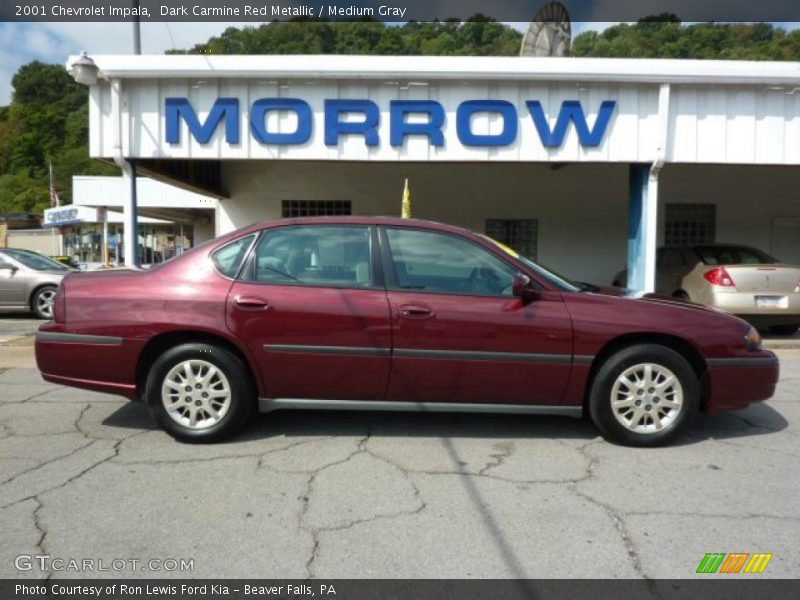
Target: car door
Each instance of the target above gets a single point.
(459, 335)
(13, 283)
(311, 306)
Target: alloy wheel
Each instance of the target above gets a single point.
(196, 394)
(44, 303)
(647, 398)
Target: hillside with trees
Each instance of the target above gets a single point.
(47, 119)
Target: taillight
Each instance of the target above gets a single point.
(60, 305)
(719, 276)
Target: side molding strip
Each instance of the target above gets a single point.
(341, 350)
(77, 338)
(498, 356)
(270, 404)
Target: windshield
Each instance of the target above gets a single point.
(733, 255)
(557, 280)
(35, 261)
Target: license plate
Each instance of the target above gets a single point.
(772, 301)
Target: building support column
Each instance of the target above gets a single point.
(642, 228)
(643, 205)
(104, 249)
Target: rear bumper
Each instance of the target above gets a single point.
(94, 362)
(735, 383)
(745, 305)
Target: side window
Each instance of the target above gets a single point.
(438, 262)
(229, 258)
(320, 255)
(673, 259)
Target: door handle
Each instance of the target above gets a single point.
(416, 311)
(251, 303)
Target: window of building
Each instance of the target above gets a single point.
(689, 224)
(519, 234)
(315, 208)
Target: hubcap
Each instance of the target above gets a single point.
(196, 394)
(646, 398)
(44, 303)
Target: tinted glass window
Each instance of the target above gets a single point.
(229, 258)
(672, 258)
(430, 261)
(35, 261)
(316, 255)
(733, 255)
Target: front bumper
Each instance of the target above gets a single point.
(735, 383)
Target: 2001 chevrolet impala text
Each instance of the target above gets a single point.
(384, 313)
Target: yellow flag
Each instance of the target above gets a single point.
(406, 207)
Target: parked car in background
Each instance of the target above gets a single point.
(737, 279)
(29, 280)
(392, 314)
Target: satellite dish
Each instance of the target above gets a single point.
(549, 34)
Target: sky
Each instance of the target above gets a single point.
(21, 43)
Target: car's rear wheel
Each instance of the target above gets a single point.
(784, 329)
(644, 395)
(42, 302)
(200, 392)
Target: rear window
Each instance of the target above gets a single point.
(733, 255)
(229, 258)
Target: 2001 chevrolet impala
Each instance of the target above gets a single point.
(383, 313)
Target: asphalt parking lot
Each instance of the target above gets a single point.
(87, 476)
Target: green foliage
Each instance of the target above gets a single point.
(478, 36)
(663, 36)
(47, 121)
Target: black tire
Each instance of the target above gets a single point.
(42, 302)
(784, 329)
(231, 372)
(681, 295)
(673, 424)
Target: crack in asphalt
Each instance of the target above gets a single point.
(37, 523)
(44, 464)
(115, 452)
(39, 395)
(314, 532)
(711, 515)
(616, 517)
(506, 450)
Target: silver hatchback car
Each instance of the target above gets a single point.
(29, 280)
(736, 279)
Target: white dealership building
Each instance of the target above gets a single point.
(584, 164)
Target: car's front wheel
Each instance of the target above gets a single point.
(200, 392)
(42, 302)
(644, 395)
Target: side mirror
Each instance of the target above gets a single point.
(8, 267)
(521, 287)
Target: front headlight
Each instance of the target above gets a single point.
(752, 340)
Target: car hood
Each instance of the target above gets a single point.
(662, 299)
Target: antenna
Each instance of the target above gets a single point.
(549, 34)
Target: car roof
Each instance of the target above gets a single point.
(357, 220)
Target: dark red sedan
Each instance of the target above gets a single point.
(384, 313)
